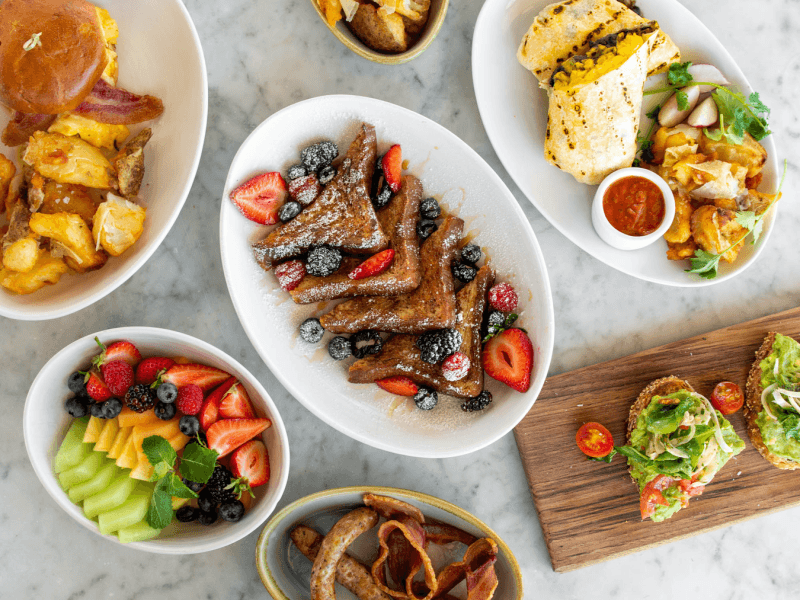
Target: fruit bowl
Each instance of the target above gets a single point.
(45, 422)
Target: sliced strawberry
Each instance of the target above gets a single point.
(250, 462)
(508, 357)
(209, 412)
(201, 375)
(374, 265)
(259, 198)
(122, 350)
(96, 388)
(236, 403)
(228, 434)
(150, 369)
(290, 274)
(399, 384)
(392, 164)
(305, 189)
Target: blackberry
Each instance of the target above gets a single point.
(373, 345)
(165, 411)
(207, 518)
(205, 502)
(430, 209)
(140, 397)
(77, 407)
(111, 408)
(323, 261)
(311, 330)
(189, 425)
(435, 346)
(96, 410)
(319, 155)
(167, 392)
(296, 171)
(425, 228)
(289, 211)
(220, 479)
(195, 486)
(383, 196)
(426, 398)
(463, 272)
(187, 514)
(479, 402)
(495, 319)
(471, 253)
(329, 151)
(76, 383)
(339, 348)
(231, 511)
(326, 174)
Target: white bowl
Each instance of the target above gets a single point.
(611, 235)
(159, 54)
(45, 423)
(449, 170)
(286, 573)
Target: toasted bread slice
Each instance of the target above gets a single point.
(753, 406)
(399, 220)
(342, 216)
(400, 355)
(659, 387)
(431, 306)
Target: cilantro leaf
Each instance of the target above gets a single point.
(159, 513)
(747, 219)
(175, 487)
(682, 99)
(758, 106)
(197, 463)
(704, 264)
(653, 112)
(679, 74)
(157, 450)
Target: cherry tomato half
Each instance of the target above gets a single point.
(727, 397)
(652, 496)
(594, 440)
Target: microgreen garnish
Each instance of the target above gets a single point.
(36, 40)
(645, 152)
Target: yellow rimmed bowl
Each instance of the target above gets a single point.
(436, 15)
(286, 573)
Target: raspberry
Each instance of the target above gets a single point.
(503, 297)
(456, 366)
(305, 189)
(290, 274)
(150, 368)
(190, 399)
(118, 376)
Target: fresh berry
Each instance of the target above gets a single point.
(195, 486)
(150, 369)
(508, 357)
(111, 408)
(96, 388)
(289, 211)
(165, 412)
(503, 297)
(77, 383)
(430, 209)
(425, 228)
(495, 319)
(319, 155)
(290, 274)
(426, 399)
(250, 462)
(190, 399)
(399, 385)
(471, 253)
(205, 502)
(77, 407)
(259, 198)
(207, 518)
(201, 375)
(383, 196)
(228, 434)
(374, 265)
(311, 330)
(232, 511)
(296, 171)
(392, 164)
(435, 346)
(167, 392)
(187, 514)
(118, 376)
(304, 190)
(140, 397)
(96, 410)
(329, 151)
(323, 261)
(189, 425)
(209, 413)
(326, 174)
(122, 350)
(371, 340)
(463, 272)
(479, 402)
(456, 366)
(339, 348)
(236, 404)
(217, 485)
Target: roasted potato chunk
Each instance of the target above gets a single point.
(99, 135)
(129, 164)
(672, 137)
(7, 172)
(715, 230)
(74, 235)
(681, 251)
(47, 270)
(69, 160)
(380, 31)
(21, 256)
(68, 198)
(118, 223)
(681, 229)
(750, 154)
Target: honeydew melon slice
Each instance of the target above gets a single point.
(129, 418)
(72, 450)
(106, 438)
(83, 471)
(139, 532)
(120, 440)
(96, 484)
(127, 460)
(93, 430)
(111, 497)
(130, 512)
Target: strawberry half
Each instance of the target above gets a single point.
(399, 385)
(96, 388)
(236, 403)
(150, 369)
(201, 375)
(122, 350)
(373, 265)
(259, 198)
(209, 412)
(392, 164)
(228, 434)
(250, 462)
(508, 357)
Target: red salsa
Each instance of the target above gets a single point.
(634, 205)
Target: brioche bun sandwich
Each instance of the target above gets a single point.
(772, 405)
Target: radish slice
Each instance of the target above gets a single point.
(705, 115)
(670, 115)
(709, 73)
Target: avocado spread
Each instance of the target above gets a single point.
(781, 431)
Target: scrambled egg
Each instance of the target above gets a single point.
(99, 135)
(110, 33)
(118, 223)
(599, 60)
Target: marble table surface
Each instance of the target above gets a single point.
(264, 55)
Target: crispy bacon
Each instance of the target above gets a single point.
(22, 126)
(482, 582)
(481, 551)
(389, 508)
(108, 104)
(415, 535)
(442, 533)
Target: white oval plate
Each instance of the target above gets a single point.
(514, 113)
(450, 171)
(159, 54)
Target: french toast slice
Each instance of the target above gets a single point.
(431, 306)
(399, 220)
(342, 216)
(400, 355)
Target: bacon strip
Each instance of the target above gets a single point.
(23, 126)
(389, 508)
(482, 583)
(442, 533)
(108, 104)
(400, 557)
(415, 535)
(481, 551)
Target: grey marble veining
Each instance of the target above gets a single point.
(264, 55)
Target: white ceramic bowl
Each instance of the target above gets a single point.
(285, 572)
(159, 54)
(611, 235)
(450, 171)
(45, 423)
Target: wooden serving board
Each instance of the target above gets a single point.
(589, 511)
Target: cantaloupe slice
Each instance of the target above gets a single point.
(120, 440)
(128, 418)
(178, 502)
(93, 430)
(143, 469)
(106, 438)
(165, 429)
(127, 459)
(178, 441)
